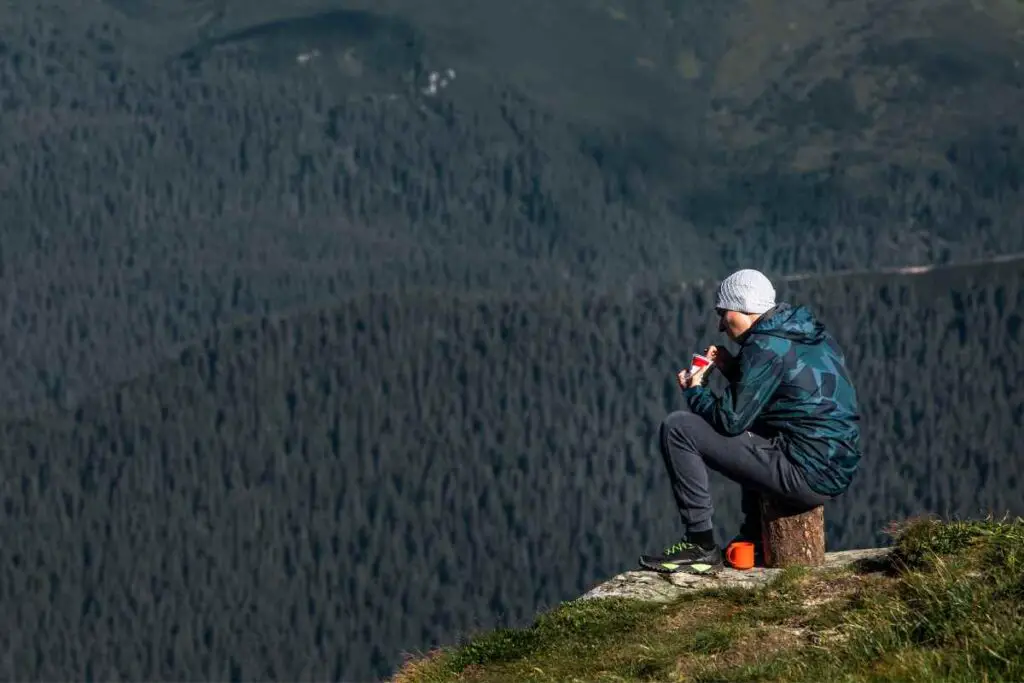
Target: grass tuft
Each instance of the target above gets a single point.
(501, 645)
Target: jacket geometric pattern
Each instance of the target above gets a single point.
(789, 383)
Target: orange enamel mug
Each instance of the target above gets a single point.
(740, 554)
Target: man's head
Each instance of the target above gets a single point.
(742, 298)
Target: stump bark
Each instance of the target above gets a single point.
(792, 535)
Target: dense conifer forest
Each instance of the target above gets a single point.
(166, 168)
(332, 330)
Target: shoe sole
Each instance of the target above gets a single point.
(697, 568)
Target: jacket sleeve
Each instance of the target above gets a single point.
(731, 370)
(758, 373)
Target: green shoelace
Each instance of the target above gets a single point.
(679, 547)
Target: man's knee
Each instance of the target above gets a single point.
(681, 422)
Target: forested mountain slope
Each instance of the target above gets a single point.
(166, 168)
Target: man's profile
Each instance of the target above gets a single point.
(787, 423)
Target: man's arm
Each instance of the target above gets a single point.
(727, 363)
(731, 369)
(758, 372)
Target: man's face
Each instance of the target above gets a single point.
(734, 323)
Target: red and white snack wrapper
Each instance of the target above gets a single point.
(697, 362)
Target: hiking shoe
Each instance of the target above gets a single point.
(685, 557)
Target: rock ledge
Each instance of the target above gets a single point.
(654, 587)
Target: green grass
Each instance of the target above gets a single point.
(948, 607)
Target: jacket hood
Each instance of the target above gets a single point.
(795, 323)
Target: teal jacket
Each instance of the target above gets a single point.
(789, 382)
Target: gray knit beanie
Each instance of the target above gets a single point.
(746, 291)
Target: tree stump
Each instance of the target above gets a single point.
(792, 535)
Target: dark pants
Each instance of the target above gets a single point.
(690, 447)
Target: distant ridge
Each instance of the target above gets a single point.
(893, 270)
(908, 270)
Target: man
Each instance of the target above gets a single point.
(787, 424)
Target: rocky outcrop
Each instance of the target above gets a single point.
(655, 587)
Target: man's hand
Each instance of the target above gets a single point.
(687, 381)
(721, 356)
